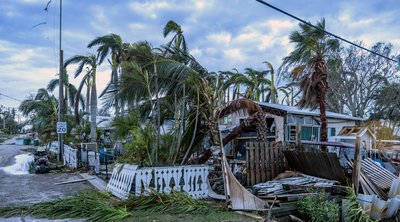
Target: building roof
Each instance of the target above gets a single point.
(307, 112)
(353, 131)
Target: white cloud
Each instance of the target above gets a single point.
(150, 8)
(196, 52)
(220, 38)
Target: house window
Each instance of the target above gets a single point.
(306, 132)
(333, 131)
(310, 133)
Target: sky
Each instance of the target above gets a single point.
(220, 34)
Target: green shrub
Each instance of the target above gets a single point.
(318, 208)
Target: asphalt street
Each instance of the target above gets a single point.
(31, 188)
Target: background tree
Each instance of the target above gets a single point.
(356, 77)
(387, 109)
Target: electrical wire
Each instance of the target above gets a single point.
(10, 97)
(329, 33)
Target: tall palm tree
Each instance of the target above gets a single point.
(110, 44)
(91, 61)
(308, 60)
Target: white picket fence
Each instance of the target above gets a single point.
(190, 179)
(70, 156)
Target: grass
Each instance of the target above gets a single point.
(222, 216)
(100, 206)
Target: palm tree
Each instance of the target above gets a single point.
(253, 80)
(308, 60)
(110, 44)
(43, 111)
(70, 91)
(177, 46)
(91, 61)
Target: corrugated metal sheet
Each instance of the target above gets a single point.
(319, 164)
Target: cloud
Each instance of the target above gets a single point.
(220, 38)
(150, 8)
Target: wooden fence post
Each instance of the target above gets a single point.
(356, 165)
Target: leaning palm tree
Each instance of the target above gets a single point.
(110, 44)
(177, 43)
(308, 60)
(91, 61)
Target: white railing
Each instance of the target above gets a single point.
(190, 179)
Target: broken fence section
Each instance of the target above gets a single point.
(319, 164)
(264, 161)
(190, 179)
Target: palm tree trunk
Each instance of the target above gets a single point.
(158, 113)
(88, 99)
(115, 83)
(273, 89)
(261, 127)
(93, 109)
(322, 108)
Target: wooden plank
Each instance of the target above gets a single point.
(272, 161)
(257, 162)
(268, 163)
(74, 181)
(263, 147)
(277, 160)
(248, 163)
(252, 176)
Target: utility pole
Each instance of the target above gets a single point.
(61, 96)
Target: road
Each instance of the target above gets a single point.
(31, 188)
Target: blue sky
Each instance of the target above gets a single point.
(221, 34)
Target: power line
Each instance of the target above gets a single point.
(2, 94)
(329, 33)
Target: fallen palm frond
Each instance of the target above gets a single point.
(175, 202)
(90, 204)
(354, 211)
(100, 206)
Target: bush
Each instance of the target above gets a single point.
(318, 208)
